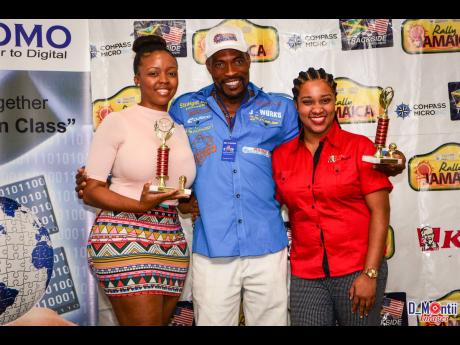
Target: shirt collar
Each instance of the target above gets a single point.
(333, 136)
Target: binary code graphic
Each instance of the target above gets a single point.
(60, 294)
(33, 194)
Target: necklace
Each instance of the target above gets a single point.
(230, 119)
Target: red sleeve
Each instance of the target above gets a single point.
(371, 179)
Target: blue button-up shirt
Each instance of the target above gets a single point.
(239, 213)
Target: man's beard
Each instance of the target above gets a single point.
(220, 88)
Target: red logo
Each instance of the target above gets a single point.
(432, 238)
(435, 308)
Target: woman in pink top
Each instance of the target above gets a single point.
(136, 247)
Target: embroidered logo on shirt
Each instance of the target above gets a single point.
(192, 105)
(336, 158)
(195, 130)
(198, 119)
(203, 146)
(257, 151)
(267, 117)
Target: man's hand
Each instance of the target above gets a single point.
(393, 169)
(80, 182)
(189, 206)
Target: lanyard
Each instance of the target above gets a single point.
(228, 117)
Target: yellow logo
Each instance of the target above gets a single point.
(421, 36)
(437, 170)
(124, 98)
(357, 103)
(263, 41)
(390, 244)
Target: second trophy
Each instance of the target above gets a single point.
(383, 155)
(164, 129)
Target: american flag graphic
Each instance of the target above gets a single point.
(393, 307)
(172, 34)
(379, 25)
(183, 315)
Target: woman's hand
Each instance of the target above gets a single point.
(190, 206)
(362, 293)
(150, 200)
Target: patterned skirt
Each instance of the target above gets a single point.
(139, 253)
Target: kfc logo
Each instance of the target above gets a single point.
(430, 238)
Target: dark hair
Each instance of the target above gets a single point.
(145, 45)
(313, 74)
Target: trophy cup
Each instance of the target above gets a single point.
(164, 129)
(383, 155)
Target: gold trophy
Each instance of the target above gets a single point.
(383, 155)
(164, 129)
(456, 98)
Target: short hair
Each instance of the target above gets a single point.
(144, 45)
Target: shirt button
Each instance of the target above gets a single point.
(240, 221)
(317, 225)
(313, 206)
(238, 195)
(234, 171)
(308, 186)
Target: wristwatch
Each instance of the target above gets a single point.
(371, 273)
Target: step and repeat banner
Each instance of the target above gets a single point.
(419, 59)
(45, 131)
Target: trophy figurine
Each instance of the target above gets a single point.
(164, 129)
(383, 155)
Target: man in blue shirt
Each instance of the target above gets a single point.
(239, 240)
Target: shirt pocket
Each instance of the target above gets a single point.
(346, 177)
(266, 131)
(282, 179)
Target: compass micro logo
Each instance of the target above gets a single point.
(403, 110)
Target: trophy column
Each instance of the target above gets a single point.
(164, 129)
(382, 155)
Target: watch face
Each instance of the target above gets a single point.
(371, 272)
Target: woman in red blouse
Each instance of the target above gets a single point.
(338, 210)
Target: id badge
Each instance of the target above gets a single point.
(229, 150)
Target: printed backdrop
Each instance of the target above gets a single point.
(419, 59)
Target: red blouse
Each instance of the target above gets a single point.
(334, 203)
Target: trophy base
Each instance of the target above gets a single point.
(382, 160)
(158, 189)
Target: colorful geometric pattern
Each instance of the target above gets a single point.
(139, 253)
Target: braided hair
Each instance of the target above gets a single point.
(312, 74)
(144, 45)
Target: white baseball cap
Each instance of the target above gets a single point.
(224, 37)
